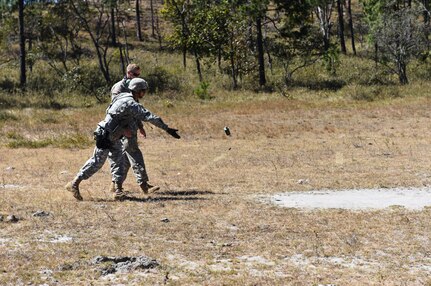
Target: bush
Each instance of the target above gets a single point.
(374, 92)
(202, 91)
(159, 79)
(87, 80)
(7, 85)
(65, 141)
(4, 116)
(329, 84)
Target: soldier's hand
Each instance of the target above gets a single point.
(142, 131)
(173, 133)
(127, 133)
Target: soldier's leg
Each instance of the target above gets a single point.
(137, 162)
(89, 169)
(117, 157)
(117, 169)
(112, 163)
(126, 161)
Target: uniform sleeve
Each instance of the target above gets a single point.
(142, 114)
(119, 87)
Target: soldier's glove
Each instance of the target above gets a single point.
(173, 133)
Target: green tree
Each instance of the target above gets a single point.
(177, 12)
(94, 18)
(299, 42)
(57, 36)
(400, 38)
(19, 4)
(397, 33)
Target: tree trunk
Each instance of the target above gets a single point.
(30, 48)
(185, 36)
(219, 58)
(402, 73)
(159, 35)
(138, 21)
(184, 56)
(23, 77)
(376, 54)
(123, 64)
(198, 67)
(352, 35)
(324, 14)
(426, 13)
(260, 52)
(341, 27)
(113, 32)
(153, 23)
(267, 50)
(124, 48)
(232, 65)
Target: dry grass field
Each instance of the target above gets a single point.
(207, 225)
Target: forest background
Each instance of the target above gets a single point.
(200, 48)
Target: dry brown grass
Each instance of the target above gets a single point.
(218, 232)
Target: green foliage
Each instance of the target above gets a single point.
(331, 59)
(69, 48)
(202, 91)
(374, 92)
(400, 37)
(160, 79)
(76, 140)
(26, 143)
(70, 141)
(7, 84)
(4, 116)
(373, 10)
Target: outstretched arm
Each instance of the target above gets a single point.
(143, 114)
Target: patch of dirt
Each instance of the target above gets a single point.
(357, 199)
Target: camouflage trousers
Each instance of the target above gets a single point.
(99, 157)
(134, 158)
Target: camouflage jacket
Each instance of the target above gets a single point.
(120, 87)
(123, 113)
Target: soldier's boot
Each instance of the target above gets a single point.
(112, 187)
(147, 188)
(73, 187)
(119, 194)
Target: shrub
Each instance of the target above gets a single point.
(202, 91)
(4, 116)
(7, 85)
(65, 141)
(374, 92)
(159, 79)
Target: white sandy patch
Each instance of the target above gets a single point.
(255, 260)
(10, 186)
(346, 262)
(358, 199)
(3, 241)
(55, 238)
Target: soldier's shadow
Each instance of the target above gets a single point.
(172, 195)
(169, 195)
(153, 199)
(184, 193)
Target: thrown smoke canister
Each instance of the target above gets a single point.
(226, 130)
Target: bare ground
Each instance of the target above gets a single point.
(206, 225)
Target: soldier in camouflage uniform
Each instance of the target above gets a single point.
(133, 155)
(120, 118)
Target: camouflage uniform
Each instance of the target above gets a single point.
(121, 115)
(133, 155)
(98, 159)
(119, 87)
